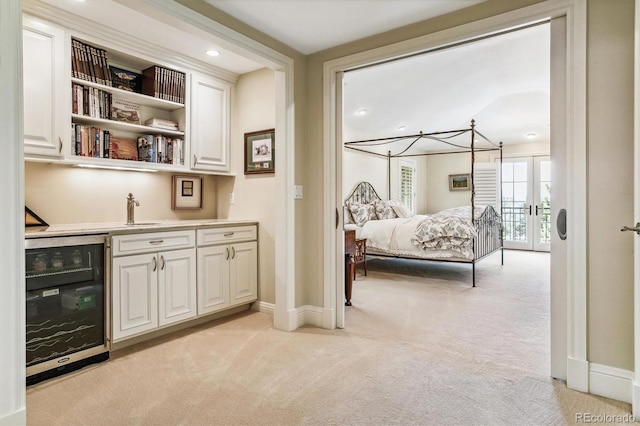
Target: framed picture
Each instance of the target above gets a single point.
(186, 192)
(460, 182)
(259, 152)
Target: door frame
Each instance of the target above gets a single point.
(574, 168)
(636, 213)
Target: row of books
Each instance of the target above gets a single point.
(163, 83)
(91, 102)
(92, 64)
(92, 141)
(160, 149)
(89, 63)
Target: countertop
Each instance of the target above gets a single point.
(122, 228)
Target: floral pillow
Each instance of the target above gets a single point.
(384, 210)
(361, 213)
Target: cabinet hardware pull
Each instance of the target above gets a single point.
(233, 251)
(163, 263)
(228, 234)
(59, 145)
(156, 241)
(155, 264)
(227, 250)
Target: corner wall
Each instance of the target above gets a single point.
(253, 109)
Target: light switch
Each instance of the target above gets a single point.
(297, 192)
(232, 198)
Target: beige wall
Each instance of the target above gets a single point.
(610, 182)
(253, 109)
(63, 194)
(306, 209)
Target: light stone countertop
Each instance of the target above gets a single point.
(64, 230)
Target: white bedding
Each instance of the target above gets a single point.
(439, 236)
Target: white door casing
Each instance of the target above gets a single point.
(636, 215)
(573, 169)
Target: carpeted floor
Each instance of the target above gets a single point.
(421, 348)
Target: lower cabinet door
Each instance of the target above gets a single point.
(176, 285)
(243, 273)
(135, 295)
(213, 278)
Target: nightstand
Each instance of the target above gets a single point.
(360, 256)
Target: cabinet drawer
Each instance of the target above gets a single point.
(229, 234)
(152, 241)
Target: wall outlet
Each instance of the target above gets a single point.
(232, 198)
(297, 192)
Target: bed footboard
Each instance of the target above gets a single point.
(489, 238)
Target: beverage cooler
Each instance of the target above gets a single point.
(65, 305)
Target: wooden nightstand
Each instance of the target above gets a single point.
(360, 256)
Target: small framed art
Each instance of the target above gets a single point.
(460, 182)
(186, 192)
(259, 152)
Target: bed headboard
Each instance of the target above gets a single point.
(363, 193)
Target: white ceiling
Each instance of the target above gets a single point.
(313, 25)
(501, 82)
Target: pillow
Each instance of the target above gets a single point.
(347, 214)
(384, 210)
(401, 210)
(360, 213)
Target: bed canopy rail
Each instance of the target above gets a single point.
(489, 237)
(448, 137)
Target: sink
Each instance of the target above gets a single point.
(142, 223)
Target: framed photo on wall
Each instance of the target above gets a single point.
(460, 182)
(259, 152)
(186, 192)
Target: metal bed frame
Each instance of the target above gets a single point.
(489, 238)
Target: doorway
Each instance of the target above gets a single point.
(568, 66)
(526, 203)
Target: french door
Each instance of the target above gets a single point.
(526, 203)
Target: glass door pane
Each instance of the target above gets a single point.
(516, 203)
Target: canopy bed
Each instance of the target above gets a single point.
(450, 235)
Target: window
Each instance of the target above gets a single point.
(408, 185)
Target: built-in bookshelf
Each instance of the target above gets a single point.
(97, 92)
(121, 112)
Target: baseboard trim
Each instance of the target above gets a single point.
(635, 405)
(578, 374)
(16, 418)
(264, 307)
(310, 315)
(611, 382)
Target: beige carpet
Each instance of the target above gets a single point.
(420, 348)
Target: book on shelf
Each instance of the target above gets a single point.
(122, 110)
(163, 83)
(123, 148)
(162, 123)
(146, 150)
(89, 63)
(125, 79)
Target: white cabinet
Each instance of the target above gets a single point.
(210, 105)
(227, 267)
(46, 100)
(152, 289)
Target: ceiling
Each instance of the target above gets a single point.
(313, 25)
(501, 82)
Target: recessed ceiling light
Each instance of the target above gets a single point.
(213, 52)
(402, 127)
(362, 111)
(531, 135)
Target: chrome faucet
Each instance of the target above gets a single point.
(131, 204)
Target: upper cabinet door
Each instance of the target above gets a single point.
(209, 132)
(45, 100)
